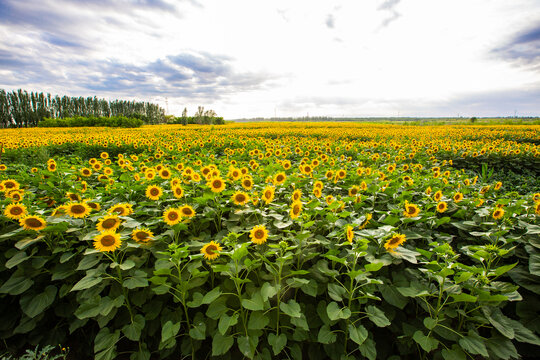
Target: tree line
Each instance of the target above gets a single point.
(23, 109)
(201, 117)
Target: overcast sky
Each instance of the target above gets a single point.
(248, 58)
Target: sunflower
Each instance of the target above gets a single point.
(172, 216)
(353, 190)
(15, 195)
(3, 167)
(318, 185)
(317, 192)
(216, 185)
(51, 166)
(107, 241)
(78, 209)
(411, 210)
(109, 223)
(211, 250)
(437, 196)
(187, 211)
(142, 235)
(240, 198)
(350, 233)
(280, 178)
(10, 184)
(442, 206)
(178, 191)
(329, 199)
(394, 242)
(268, 194)
(296, 209)
(366, 221)
(259, 234)
(458, 197)
(154, 192)
(536, 197)
(165, 173)
(15, 211)
(122, 209)
(149, 174)
(247, 183)
(86, 172)
(32, 222)
(485, 189)
(296, 195)
(497, 185)
(93, 205)
(498, 213)
(537, 208)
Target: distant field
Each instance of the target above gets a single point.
(267, 240)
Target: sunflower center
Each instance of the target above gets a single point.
(259, 234)
(78, 209)
(9, 185)
(141, 235)
(109, 223)
(296, 209)
(411, 210)
(268, 194)
(216, 184)
(240, 198)
(33, 222)
(154, 192)
(172, 216)
(178, 191)
(394, 240)
(210, 249)
(187, 211)
(119, 210)
(108, 240)
(280, 178)
(16, 210)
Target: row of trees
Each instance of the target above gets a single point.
(201, 117)
(22, 109)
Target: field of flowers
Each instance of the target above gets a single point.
(270, 240)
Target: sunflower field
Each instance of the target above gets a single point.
(271, 241)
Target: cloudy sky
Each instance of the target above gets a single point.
(248, 58)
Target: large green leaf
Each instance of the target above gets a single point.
(377, 316)
(473, 344)
(169, 330)
(277, 342)
(133, 330)
(86, 283)
(358, 333)
(291, 308)
(326, 336)
(335, 312)
(258, 320)
(221, 344)
(227, 321)
(40, 302)
(427, 343)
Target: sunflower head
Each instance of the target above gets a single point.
(296, 209)
(217, 184)
(280, 178)
(172, 216)
(240, 198)
(438, 195)
(122, 209)
(78, 209)
(187, 211)
(498, 213)
(32, 222)
(411, 210)
(296, 195)
(109, 223)
(211, 250)
(178, 191)
(349, 233)
(394, 242)
(154, 192)
(258, 234)
(353, 190)
(442, 206)
(107, 241)
(10, 185)
(142, 235)
(458, 197)
(15, 211)
(268, 194)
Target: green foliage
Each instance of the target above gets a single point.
(79, 121)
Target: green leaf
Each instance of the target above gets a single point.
(277, 342)
(499, 321)
(300, 322)
(292, 308)
(24, 243)
(464, 297)
(133, 330)
(247, 345)
(473, 344)
(358, 334)
(16, 259)
(16, 284)
(393, 297)
(86, 282)
(211, 296)
(368, 349)
(268, 291)
(374, 266)
(40, 302)
(326, 336)
(198, 332)
(454, 354)
(310, 288)
(503, 269)
(335, 312)
(197, 300)
(88, 261)
(90, 308)
(227, 321)
(462, 276)
(169, 330)
(255, 303)
(502, 348)
(377, 316)
(240, 251)
(534, 264)
(426, 342)
(138, 280)
(105, 340)
(221, 344)
(297, 282)
(430, 323)
(258, 321)
(523, 334)
(128, 264)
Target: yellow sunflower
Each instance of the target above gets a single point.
(15, 211)
(109, 223)
(296, 195)
(350, 233)
(442, 206)
(107, 241)
(10, 184)
(536, 197)
(497, 185)
(411, 210)
(317, 192)
(165, 173)
(296, 209)
(172, 216)
(211, 250)
(438, 195)
(178, 191)
(187, 211)
(354, 190)
(78, 209)
(259, 234)
(142, 235)
(73, 196)
(51, 166)
(93, 205)
(240, 198)
(268, 194)
(122, 209)
(498, 213)
(216, 184)
(32, 222)
(15, 195)
(247, 183)
(458, 197)
(280, 178)
(154, 192)
(394, 241)
(537, 208)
